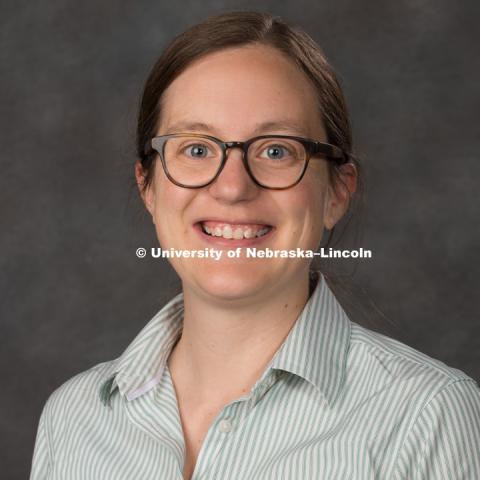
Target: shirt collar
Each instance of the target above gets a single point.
(317, 346)
(315, 349)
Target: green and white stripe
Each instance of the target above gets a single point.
(337, 401)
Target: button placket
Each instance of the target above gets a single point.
(215, 440)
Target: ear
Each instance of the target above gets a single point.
(339, 195)
(147, 194)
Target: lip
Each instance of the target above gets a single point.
(236, 221)
(233, 243)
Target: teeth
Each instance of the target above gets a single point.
(261, 232)
(227, 232)
(237, 233)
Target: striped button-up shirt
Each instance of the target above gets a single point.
(337, 401)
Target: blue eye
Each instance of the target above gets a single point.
(198, 150)
(275, 152)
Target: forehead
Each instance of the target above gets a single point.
(242, 91)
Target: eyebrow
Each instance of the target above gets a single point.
(284, 124)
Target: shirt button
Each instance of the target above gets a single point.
(225, 425)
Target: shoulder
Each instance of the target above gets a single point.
(86, 381)
(79, 395)
(429, 411)
(401, 366)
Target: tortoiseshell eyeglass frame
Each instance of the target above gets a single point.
(312, 148)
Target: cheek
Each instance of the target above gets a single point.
(171, 203)
(316, 189)
(306, 206)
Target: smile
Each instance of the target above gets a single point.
(234, 231)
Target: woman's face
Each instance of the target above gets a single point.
(234, 92)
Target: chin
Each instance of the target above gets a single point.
(231, 282)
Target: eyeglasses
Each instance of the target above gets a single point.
(193, 160)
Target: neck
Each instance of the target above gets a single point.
(224, 349)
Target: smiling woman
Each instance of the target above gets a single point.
(245, 92)
(254, 371)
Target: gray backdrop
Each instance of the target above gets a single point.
(73, 293)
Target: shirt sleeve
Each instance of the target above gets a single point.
(444, 442)
(41, 463)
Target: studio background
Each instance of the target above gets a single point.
(72, 291)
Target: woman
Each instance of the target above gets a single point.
(254, 371)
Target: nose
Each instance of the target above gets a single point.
(233, 184)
